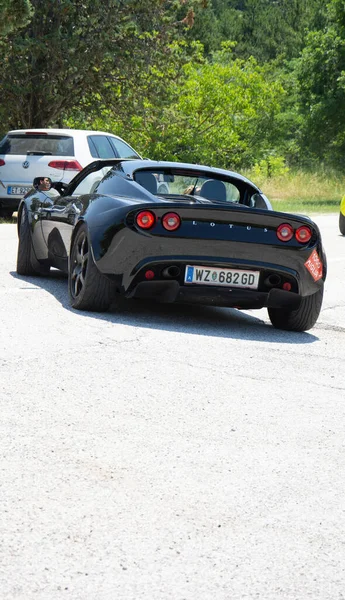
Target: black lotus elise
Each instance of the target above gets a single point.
(173, 232)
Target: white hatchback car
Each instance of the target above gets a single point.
(56, 153)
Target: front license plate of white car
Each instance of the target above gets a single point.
(17, 190)
(227, 277)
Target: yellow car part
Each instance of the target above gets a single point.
(342, 206)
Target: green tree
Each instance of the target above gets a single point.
(14, 15)
(71, 50)
(321, 77)
(220, 112)
(265, 29)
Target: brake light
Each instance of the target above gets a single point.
(2, 162)
(36, 133)
(284, 232)
(145, 219)
(303, 234)
(65, 165)
(171, 221)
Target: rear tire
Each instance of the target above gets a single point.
(26, 261)
(88, 288)
(302, 319)
(342, 223)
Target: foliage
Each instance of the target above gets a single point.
(261, 28)
(273, 96)
(14, 14)
(220, 112)
(272, 166)
(303, 191)
(72, 48)
(321, 76)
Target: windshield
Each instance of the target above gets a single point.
(163, 183)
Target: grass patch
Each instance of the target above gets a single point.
(12, 220)
(304, 192)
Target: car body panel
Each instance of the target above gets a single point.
(342, 206)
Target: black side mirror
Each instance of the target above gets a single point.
(42, 183)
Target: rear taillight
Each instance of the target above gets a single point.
(284, 232)
(171, 221)
(145, 219)
(65, 165)
(2, 162)
(303, 234)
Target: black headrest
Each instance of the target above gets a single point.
(213, 189)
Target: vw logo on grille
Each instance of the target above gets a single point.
(26, 164)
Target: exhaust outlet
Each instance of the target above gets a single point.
(171, 272)
(272, 280)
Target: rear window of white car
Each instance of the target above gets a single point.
(56, 145)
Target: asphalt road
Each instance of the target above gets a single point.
(169, 453)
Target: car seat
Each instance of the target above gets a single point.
(213, 189)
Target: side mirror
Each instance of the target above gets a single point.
(42, 183)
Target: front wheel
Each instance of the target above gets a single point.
(342, 223)
(88, 288)
(303, 318)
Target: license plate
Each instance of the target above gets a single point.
(18, 190)
(227, 277)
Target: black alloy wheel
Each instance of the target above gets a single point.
(303, 318)
(88, 288)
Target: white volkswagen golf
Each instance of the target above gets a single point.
(55, 153)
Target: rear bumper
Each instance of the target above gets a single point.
(171, 291)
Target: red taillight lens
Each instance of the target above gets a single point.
(171, 221)
(2, 162)
(146, 219)
(303, 234)
(65, 165)
(284, 232)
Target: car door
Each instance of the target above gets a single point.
(59, 216)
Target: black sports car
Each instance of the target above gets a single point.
(173, 232)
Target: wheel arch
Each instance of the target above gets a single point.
(75, 231)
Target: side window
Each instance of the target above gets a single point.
(122, 150)
(232, 192)
(259, 201)
(102, 146)
(92, 147)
